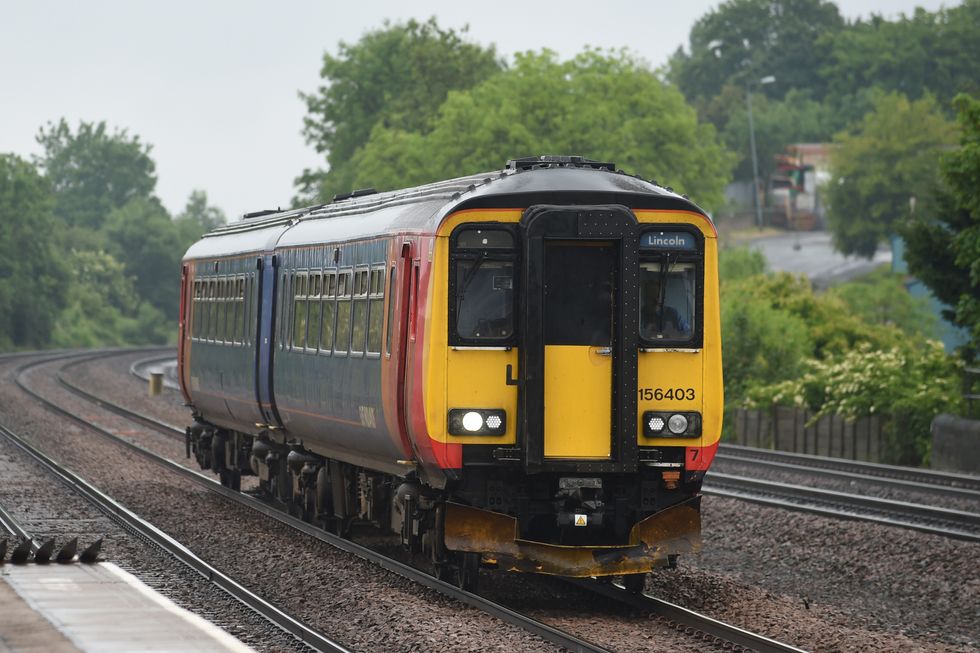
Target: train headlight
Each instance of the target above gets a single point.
(472, 421)
(659, 424)
(677, 424)
(477, 421)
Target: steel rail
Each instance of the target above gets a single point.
(965, 485)
(827, 502)
(14, 527)
(680, 615)
(140, 368)
(882, 481)
(136, 524)
(542, 630)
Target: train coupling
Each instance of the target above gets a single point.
(578, 503)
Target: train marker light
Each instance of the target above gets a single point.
(472, 421)
(660, 424)
(677, 424)
(494, 422)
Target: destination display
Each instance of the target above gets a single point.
(668, 240)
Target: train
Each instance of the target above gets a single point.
(516, 370)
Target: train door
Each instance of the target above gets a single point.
(579, 332)
(579, 316)
(265, 349)
(405, 272)
(184, 337)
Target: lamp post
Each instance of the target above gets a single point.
(768, 79)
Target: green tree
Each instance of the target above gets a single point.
(104, 308)
(197, 218)
(761, 343)
(744, 40)
(143, 238)
(889, 158)
(601, 105)
(93, 171)
(925, 53)
(943, 246)
(396, 77)
(32, 276)
(881, 298)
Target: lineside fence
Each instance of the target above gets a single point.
(788, 429)
(971, 392)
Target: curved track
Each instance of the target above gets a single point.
(553, 635)
(143, 528)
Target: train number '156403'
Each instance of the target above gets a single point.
(669, 394)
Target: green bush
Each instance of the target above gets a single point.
(736, 263)
(881, 298)
(906, 385)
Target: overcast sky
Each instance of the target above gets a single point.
(212, 85)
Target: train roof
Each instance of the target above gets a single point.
(523, 183)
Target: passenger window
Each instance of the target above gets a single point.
(377, 308)
(196, 311)
(247, 308)
(231, 322)
(240, 312)
(391, 309)
(359, 324)
(313, 337)
(329, 311)
(213, 311)
(344, 289)
(299, 311)
(283, 293)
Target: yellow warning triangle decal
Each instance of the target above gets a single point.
(581, 520)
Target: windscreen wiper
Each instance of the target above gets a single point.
(665, 265)
(468, 279)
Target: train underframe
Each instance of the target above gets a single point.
(496, 516)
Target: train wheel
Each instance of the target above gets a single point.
(231, 479)
(469, 571)
(634, 583)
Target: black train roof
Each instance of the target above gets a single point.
(523, 183)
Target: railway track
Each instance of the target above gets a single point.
(906, 478)
(687, 622)
(143, 528)
(930, 519)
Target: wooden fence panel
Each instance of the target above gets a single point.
(788, 429)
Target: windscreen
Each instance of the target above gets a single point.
(667, 300)
(483, 282)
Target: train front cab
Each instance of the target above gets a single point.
(579, 370)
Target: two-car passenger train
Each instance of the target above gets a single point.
(519, 369)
